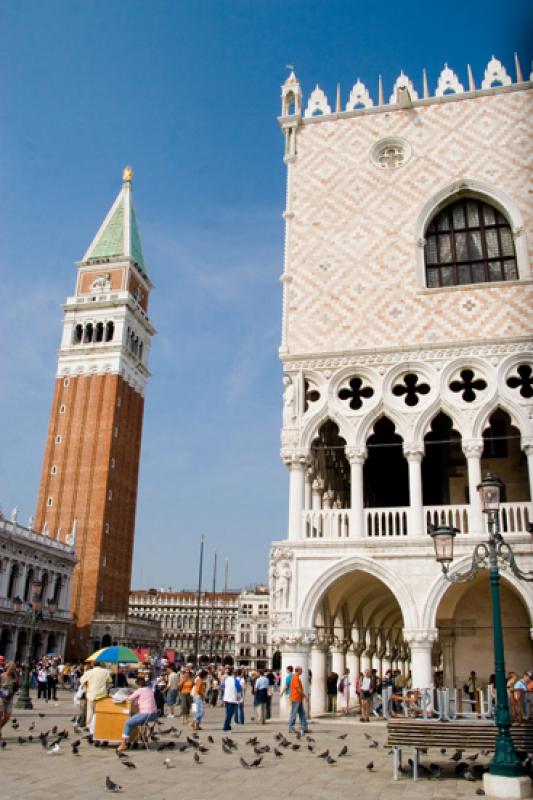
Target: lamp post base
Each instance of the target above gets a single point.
(24, 701)
(499, 786)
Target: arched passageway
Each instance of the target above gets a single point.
(464, 621)
(358, 625)
(385, 473)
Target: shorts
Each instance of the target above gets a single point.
(186, 701)
(172, 696)
(366, 695)
(6, 704)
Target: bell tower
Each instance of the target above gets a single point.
(88, 488)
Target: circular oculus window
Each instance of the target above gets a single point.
(390, 153)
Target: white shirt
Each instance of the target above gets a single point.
(231, 695)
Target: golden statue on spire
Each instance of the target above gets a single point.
(127, 175)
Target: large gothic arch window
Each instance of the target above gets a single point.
(469, 241)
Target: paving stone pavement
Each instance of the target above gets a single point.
(28, 772)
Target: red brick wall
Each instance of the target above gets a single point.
(102, 421)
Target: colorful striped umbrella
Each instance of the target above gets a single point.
(114, 655)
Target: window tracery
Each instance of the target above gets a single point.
(467, 242)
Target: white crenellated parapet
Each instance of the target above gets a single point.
(359, 97)
(402, 82)
(448, 83)
(495, 75)
(317, 104)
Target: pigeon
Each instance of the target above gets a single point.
(373, 744)
(112, 787)
(456, 756)
(480, 792)
(277, 752)
(299, 734)
(41, 714)
(295, 746)
(15, 725)
(434, 771)
(226, 749)
(311, 748)
(253, 741)
(330, 760)
(54, 750)
(485, 752)
(119, 754)
(343, 752)
(75, 751)
(44, 742)
(76, 743)
(22, 740)
(2, 744)
(443, 750)
(197, 758)
(342, 736)
(128, 764)
(210, 740)
(168, 763)
(468, 776)
(325, 754)
(472, 758)
(55, 729)
(202, 749)
(230, 743)
(370, 766)
(32, 727)
(310, 739)
(244, 763)
(367, 736)
(256, 762)
(460, 769)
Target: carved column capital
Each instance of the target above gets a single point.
(413, 451)
(356, 455)
(294, 458)
(473, 448)
(420, 636)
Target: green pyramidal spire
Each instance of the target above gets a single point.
(118, 236)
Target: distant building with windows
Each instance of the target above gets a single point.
(252, 640)
(177, 613)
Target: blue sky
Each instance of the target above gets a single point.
(188, 93)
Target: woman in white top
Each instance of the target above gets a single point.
(345, 691)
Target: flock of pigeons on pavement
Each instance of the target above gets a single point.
(253, 755)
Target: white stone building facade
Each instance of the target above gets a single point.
(407, 355)
(253, 648)
(27, 556)
(177, 613)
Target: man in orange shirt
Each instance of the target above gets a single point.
(297, 697)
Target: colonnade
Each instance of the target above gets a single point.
(308, 491)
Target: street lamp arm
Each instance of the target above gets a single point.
(505, 552)
(480, 559)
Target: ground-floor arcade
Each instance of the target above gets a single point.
(367, 607)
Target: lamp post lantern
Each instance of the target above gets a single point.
(489, 554)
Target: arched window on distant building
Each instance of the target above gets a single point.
(469, 241)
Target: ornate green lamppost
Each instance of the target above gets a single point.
(31, 617)
(490, 555)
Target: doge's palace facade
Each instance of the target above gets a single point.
(406, 348)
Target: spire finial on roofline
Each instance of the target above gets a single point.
(127, 174)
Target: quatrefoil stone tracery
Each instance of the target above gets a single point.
(524, 380)
(356, 394)
(311, 395)
(410, 389)
(468, 385)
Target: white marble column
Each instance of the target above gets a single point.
(296, 463)
(308, 493)
(473, 449)
(414, 453)
(366, 659)
(527, 447)
(318, 680)
(337, 660)
(317, 490)
(447, 643)
(5, 572)
(357, 457)
(421, 644)
(296, 654)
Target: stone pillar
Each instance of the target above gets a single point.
(308, 492)
(420, 641)
(356, 457)
(318, 681)
(296, 464)
(5, 570)
(527, 447)
(294, 652)
(414, 453)
(447, 643)
(352, 663)
(317, 490)
(337, 660)
(473, 448)
(366, 658)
